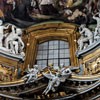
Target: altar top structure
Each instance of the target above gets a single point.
(50, 49)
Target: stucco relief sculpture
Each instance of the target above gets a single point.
(97, 34)
(11, 42)
(86, 36)
(2, 27)
(32, 74)
(97, 29)
(94, 67)
(56, 78)
(97, 18)
(7, 74)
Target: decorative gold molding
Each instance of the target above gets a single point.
(50, 31)
(7, 61)
(93, 55)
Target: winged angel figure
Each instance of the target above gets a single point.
(32, 74)
(56, 79)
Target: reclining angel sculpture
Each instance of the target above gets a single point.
(56, 79)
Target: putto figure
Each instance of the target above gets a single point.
(32, 74)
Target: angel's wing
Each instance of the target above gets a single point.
(49, 76)
(62, 79)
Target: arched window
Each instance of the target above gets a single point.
(55, 51)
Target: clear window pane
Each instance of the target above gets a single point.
(51, 47)
(66, 45)
(45, 47)
(45, 52)
(61, 43)
(50, 61)
(56, 42)
(51, 43)
(55, 46)
(55, 56)
(51, 56)
(55, 52)
(40, 52)
(51, 52)
(44, 57)
(40, 47)
(66, 51)
(62, 51)
(66, 55)
(39, 57)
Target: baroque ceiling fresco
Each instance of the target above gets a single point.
(35, 11)
(50, 49)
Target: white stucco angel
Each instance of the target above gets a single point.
(66, 72)
(32, 74)
(2, 27)
(96, 35)
(97, 18)
(56, 79)
(86, 35)
(14, 40)
(13, 47)
(97, 29)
